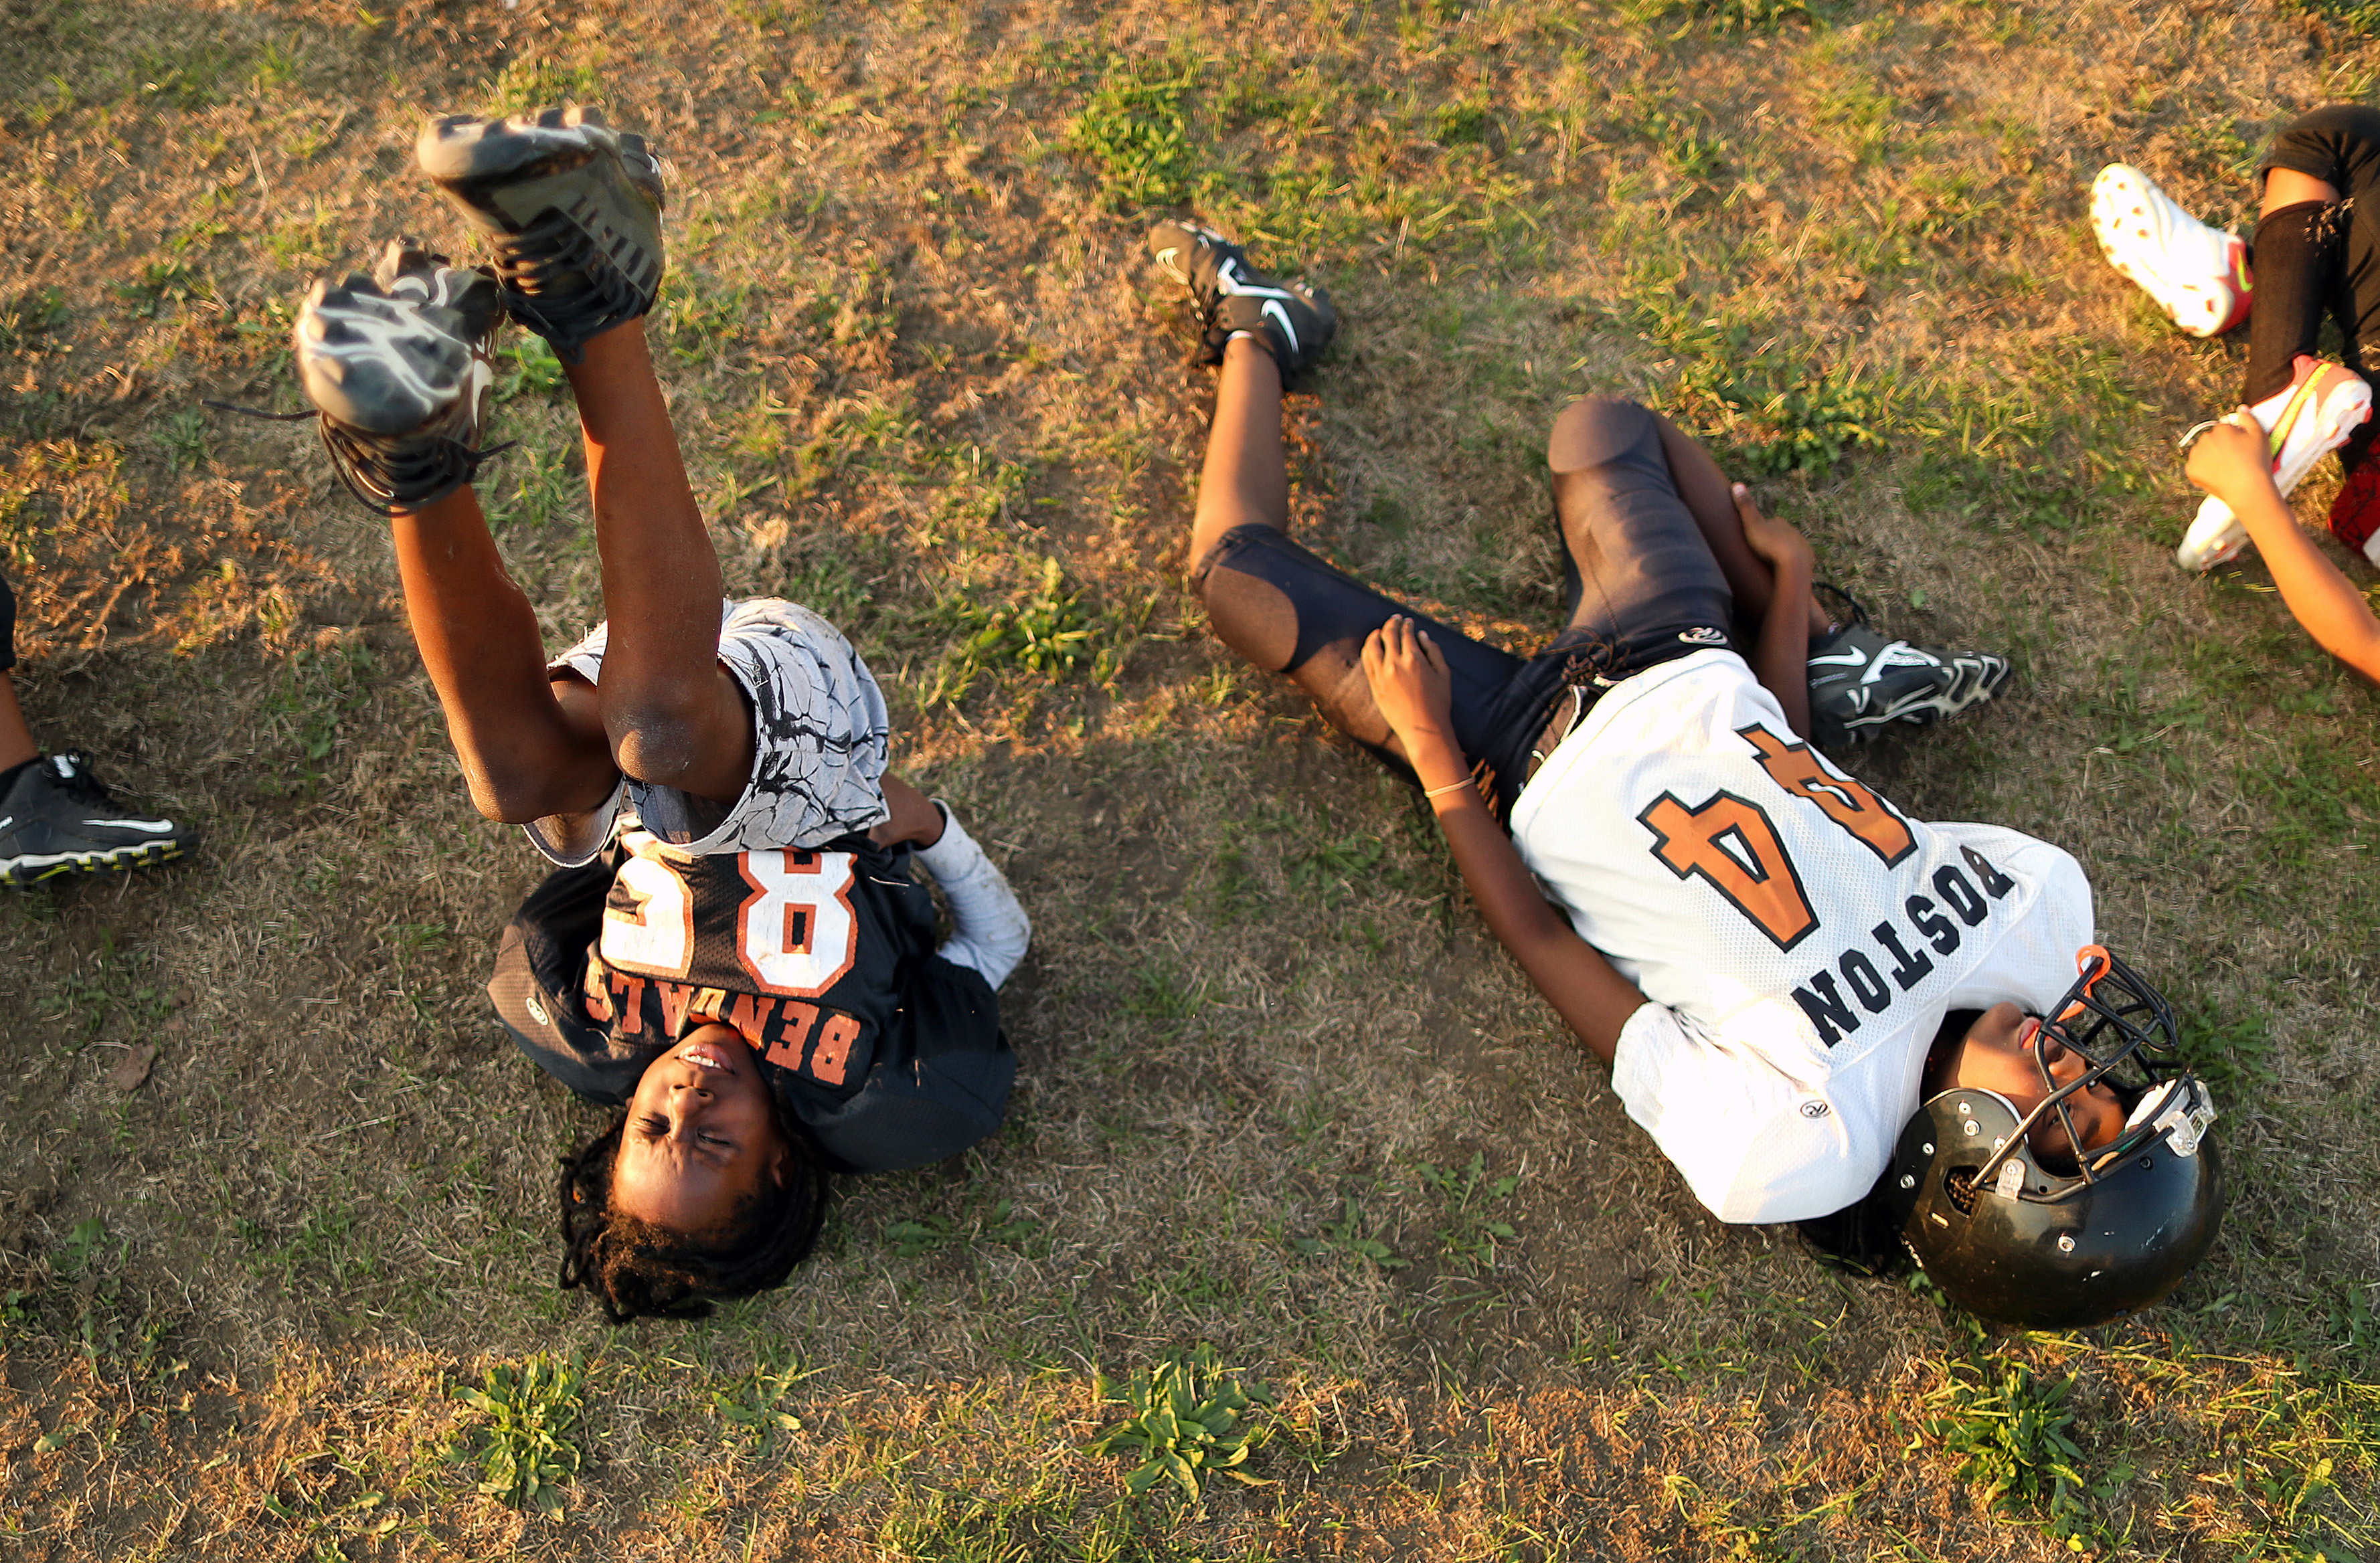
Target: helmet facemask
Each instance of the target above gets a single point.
(2124, 1032)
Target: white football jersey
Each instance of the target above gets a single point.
(1799, 938)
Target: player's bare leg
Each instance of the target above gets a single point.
(16, 743)
(1245, 481)
(396, 362)
(528, 747)
(675, 717)
(572, 211)
(1245, 478)
(2287, 187)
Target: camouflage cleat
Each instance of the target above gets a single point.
(398, 365)
(574, 207)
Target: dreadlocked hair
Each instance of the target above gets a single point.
(1864, 1239)
(638, 1270)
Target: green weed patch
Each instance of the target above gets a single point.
(1134, 133)
(2014, 1434)
(1188, 1421)
(526, 1443)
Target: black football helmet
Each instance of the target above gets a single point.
(2050, 1247)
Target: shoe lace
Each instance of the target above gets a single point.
(256, 412)
(548, 251)
(71, 768)
(376, 476)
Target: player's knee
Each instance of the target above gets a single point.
(657, 732)
(1593, 430)
(1252, 616)
(517, 795)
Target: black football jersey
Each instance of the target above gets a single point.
(821, 960)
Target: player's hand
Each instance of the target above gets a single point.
(1409, 680)
(1774, 541)
(2233, 459)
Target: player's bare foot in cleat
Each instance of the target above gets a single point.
(2198, 275)
(1862, 681)
(573, 206)
(2305, 421)
(57, 818)
(1293, 321)
(398, 364)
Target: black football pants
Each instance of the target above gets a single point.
(1641, 586)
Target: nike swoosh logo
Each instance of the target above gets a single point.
(131, 824)
(1900, 654)
(1165, 259)
(1839, 660)
(1228, 281)
(1274, 311)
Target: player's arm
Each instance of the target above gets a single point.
(2232, 462)
(1410, 684)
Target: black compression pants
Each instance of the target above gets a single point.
(1641, 588)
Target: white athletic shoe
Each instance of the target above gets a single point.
(2306, 421)
(2197, 275)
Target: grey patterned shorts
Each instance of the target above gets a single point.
(821, 737)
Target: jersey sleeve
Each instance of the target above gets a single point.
(539, 964)
(941, 1080)
(1753, 1144)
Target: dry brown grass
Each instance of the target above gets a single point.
(915, 354)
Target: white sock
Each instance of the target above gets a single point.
(988, 930)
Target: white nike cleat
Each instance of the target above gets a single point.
(2306, 421)
(2197, 275)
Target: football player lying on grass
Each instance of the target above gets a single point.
(735, 947)
(2316, 256)
(1821, 1009)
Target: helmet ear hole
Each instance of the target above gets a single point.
(1959, 1183)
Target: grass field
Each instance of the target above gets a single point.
(291, 1298)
